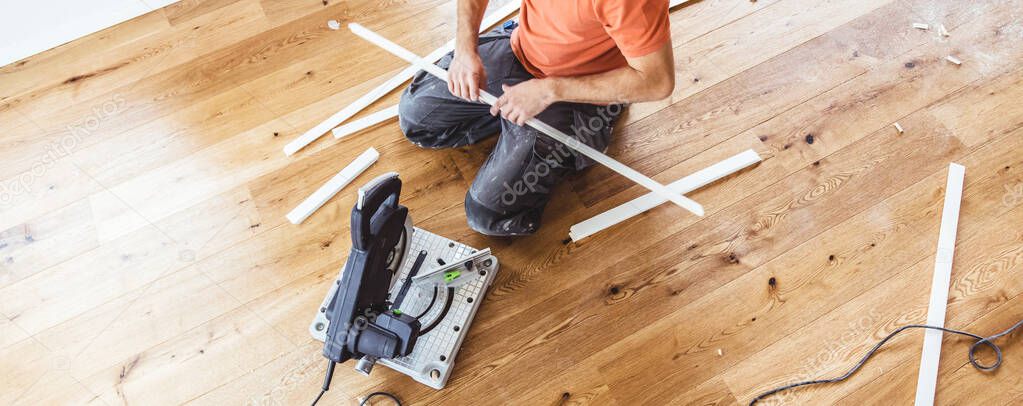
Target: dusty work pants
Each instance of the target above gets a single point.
(510, 191)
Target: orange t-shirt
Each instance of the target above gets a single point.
(583, 37)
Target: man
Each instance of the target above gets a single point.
(570, 64)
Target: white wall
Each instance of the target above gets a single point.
(28, 27)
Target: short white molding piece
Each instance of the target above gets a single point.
(365, 122)
(380, 91)
(552, 132)
(927, 380)
(333, 186)
(648, 201)
(674, 3)
(384, 88)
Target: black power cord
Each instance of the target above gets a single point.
(326, 381)
(986, 341)
(384, 394)
(326, 387)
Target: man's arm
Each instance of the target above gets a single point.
(648, 77)
(466, 75)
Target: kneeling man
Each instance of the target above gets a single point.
(569, 63)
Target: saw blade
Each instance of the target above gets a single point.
(399, 252)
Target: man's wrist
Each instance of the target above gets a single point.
(466, 47)
(552, 90)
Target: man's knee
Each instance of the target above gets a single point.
(519, 221)
(411, 116)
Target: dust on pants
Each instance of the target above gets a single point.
(513, 186)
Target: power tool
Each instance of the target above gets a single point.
(414, 327)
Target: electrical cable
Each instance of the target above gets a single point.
(384, 394)
(317, 400)
(326, 387)
(326, 381)
(987, 341)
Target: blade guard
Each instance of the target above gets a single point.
(360, 323)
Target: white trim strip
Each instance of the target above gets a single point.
(433, 57)
(552, 132)
(393, 83)
(927, 380)
(334, 185)
(648, 201)
(365, 122)
(358, 105)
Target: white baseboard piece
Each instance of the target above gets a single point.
(333, 186)
(648, 201)
(377, 119)
(387, 87)
(352, 109)
(365, 122)
(928, 378)
(552, 132)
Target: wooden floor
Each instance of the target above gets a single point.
(145, 257)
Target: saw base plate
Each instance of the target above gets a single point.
(433, 357)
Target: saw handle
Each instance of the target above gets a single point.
(381, 192)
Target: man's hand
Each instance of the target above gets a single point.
(466, 75)
(524, 101)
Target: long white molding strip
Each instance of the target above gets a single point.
(384, 88)
(648, 201)
(353, 127)
(380, 91)
(334, 185)
(431, 57)
(552, 132)
(928, 378)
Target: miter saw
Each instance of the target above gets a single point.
(415, 326)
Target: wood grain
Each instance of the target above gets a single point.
(145, 257)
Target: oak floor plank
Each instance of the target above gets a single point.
(169, 90)
(36, 245)
(748, 99)
(724, 52)
(206, 357)
(107, 65)
(12, 333)
(860, 322)
(967, 385)
(704, 16)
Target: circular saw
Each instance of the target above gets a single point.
(362, 325)
(415, 326)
